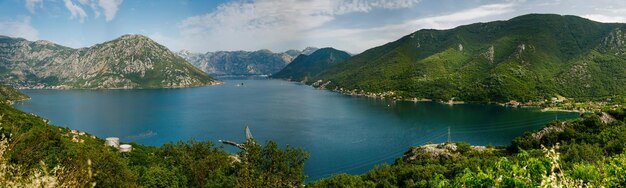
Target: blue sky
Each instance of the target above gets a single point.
(278, 25)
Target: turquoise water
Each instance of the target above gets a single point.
(341, 133)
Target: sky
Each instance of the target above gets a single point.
(277, 25)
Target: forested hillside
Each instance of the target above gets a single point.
(531, 57)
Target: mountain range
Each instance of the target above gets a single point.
(312, 65)
(261, 62)
(130, 61)
(527, 58)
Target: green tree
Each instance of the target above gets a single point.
(342, 181)
(156, 176)
(269, 166)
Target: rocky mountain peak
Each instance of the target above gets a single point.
(293, 53)
(187, 54)
(309, 50)
(135, 40)
(130, 61)
(132, 37)
(44, 42)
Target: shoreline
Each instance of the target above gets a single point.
(390, 95)
(549, 109)
(511, 104)
(63, 87)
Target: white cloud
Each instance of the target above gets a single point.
(95, 9)
(437, 22)
(19, 28)
(268, 23)
(348, 6)
(76, 10)
(30, 5)
(463, 17)
(262, 14)
(281, 25)
(361, 39)
(605, 18)
(110, 8)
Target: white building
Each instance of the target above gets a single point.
(126, 148)
(113, 142)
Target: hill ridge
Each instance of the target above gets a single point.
(527, 58)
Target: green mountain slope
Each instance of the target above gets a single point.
(8, 94)
(130, 61)
(531, 57)
(307, 66)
